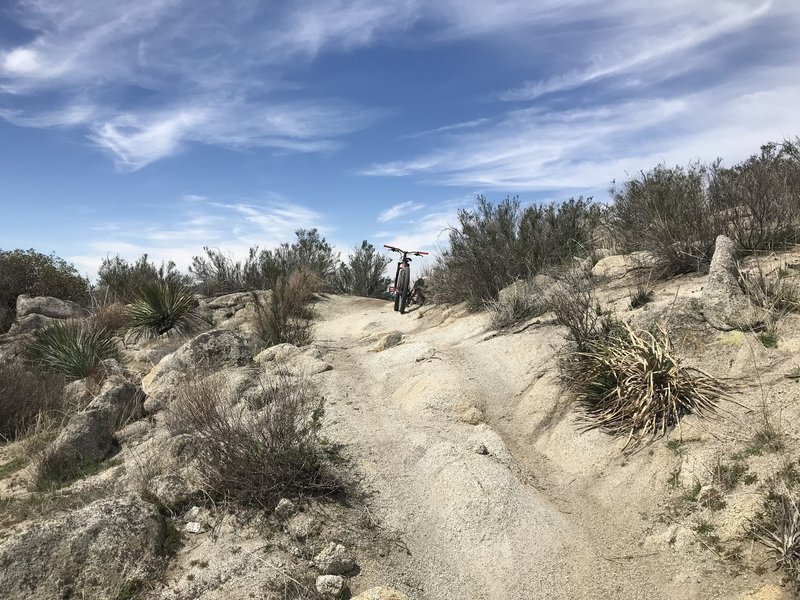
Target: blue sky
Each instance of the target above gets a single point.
(162, 126)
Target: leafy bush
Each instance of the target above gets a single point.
(632, 384)
(30, 272)
(120, 281)
(285, 317)
(494, 245)
(24, 396)
(72, 348)
(363, 275)
(163, 307)
(260, 451)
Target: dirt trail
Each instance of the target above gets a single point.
(546, 513)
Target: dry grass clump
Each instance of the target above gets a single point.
(111, 316)
(777, 526)
(285, 317)
(259, 450)
(25, 396)
(632, 384)
(520, 304)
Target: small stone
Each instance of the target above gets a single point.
(482, 449)
(192, 513)
(303, 526)
(285, 509)
(330, 586)
(334, 560)
(194, 527)
(387, 341)
(472, 415)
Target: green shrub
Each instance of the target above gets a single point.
(30, 272)
(163, 307)
(494, 245)
(363, 275)
(285, 316)
(25, 397)
(120, 281)
(72, 348)
(632, 384)
(256, 452)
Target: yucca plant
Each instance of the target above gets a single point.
(73, 348)
(162, 307)
(632, 384)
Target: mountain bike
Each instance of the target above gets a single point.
(404, 295)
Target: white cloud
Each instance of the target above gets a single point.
(397, 210)
(231, 227)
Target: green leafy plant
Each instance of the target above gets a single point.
(163, 307)
(632, 384)
(72, 348)
(363, 275)
(36, 274)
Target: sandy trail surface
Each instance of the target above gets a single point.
(475, 458)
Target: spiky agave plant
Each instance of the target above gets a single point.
(632, 384)
(162, 307)
(73, 348)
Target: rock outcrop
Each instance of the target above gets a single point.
(93, 552)
(725, 306)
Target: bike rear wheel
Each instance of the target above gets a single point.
(402, 291)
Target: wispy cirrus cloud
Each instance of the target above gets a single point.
(397, 210)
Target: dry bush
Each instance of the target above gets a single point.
(668, 213)
(111, 316)
(259, 450)
(523, 302)
(493, 245)
(777, 525)
(285, 316)
(576, 307)
(632, 384)
(26, 396)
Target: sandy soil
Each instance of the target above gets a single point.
(542, 510)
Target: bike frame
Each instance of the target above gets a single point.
(404, 260)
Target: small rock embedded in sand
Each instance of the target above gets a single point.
(194, 527)
(334, 560)
(482, 449)
(303, 526)
(330, 586)
(381, 593)
(285, 509)
(387, 341)
(768, 592)
(472, 415)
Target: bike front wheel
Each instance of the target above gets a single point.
(402, 290)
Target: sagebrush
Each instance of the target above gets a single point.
(26, 397)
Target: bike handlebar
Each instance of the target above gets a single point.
(414, 252)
